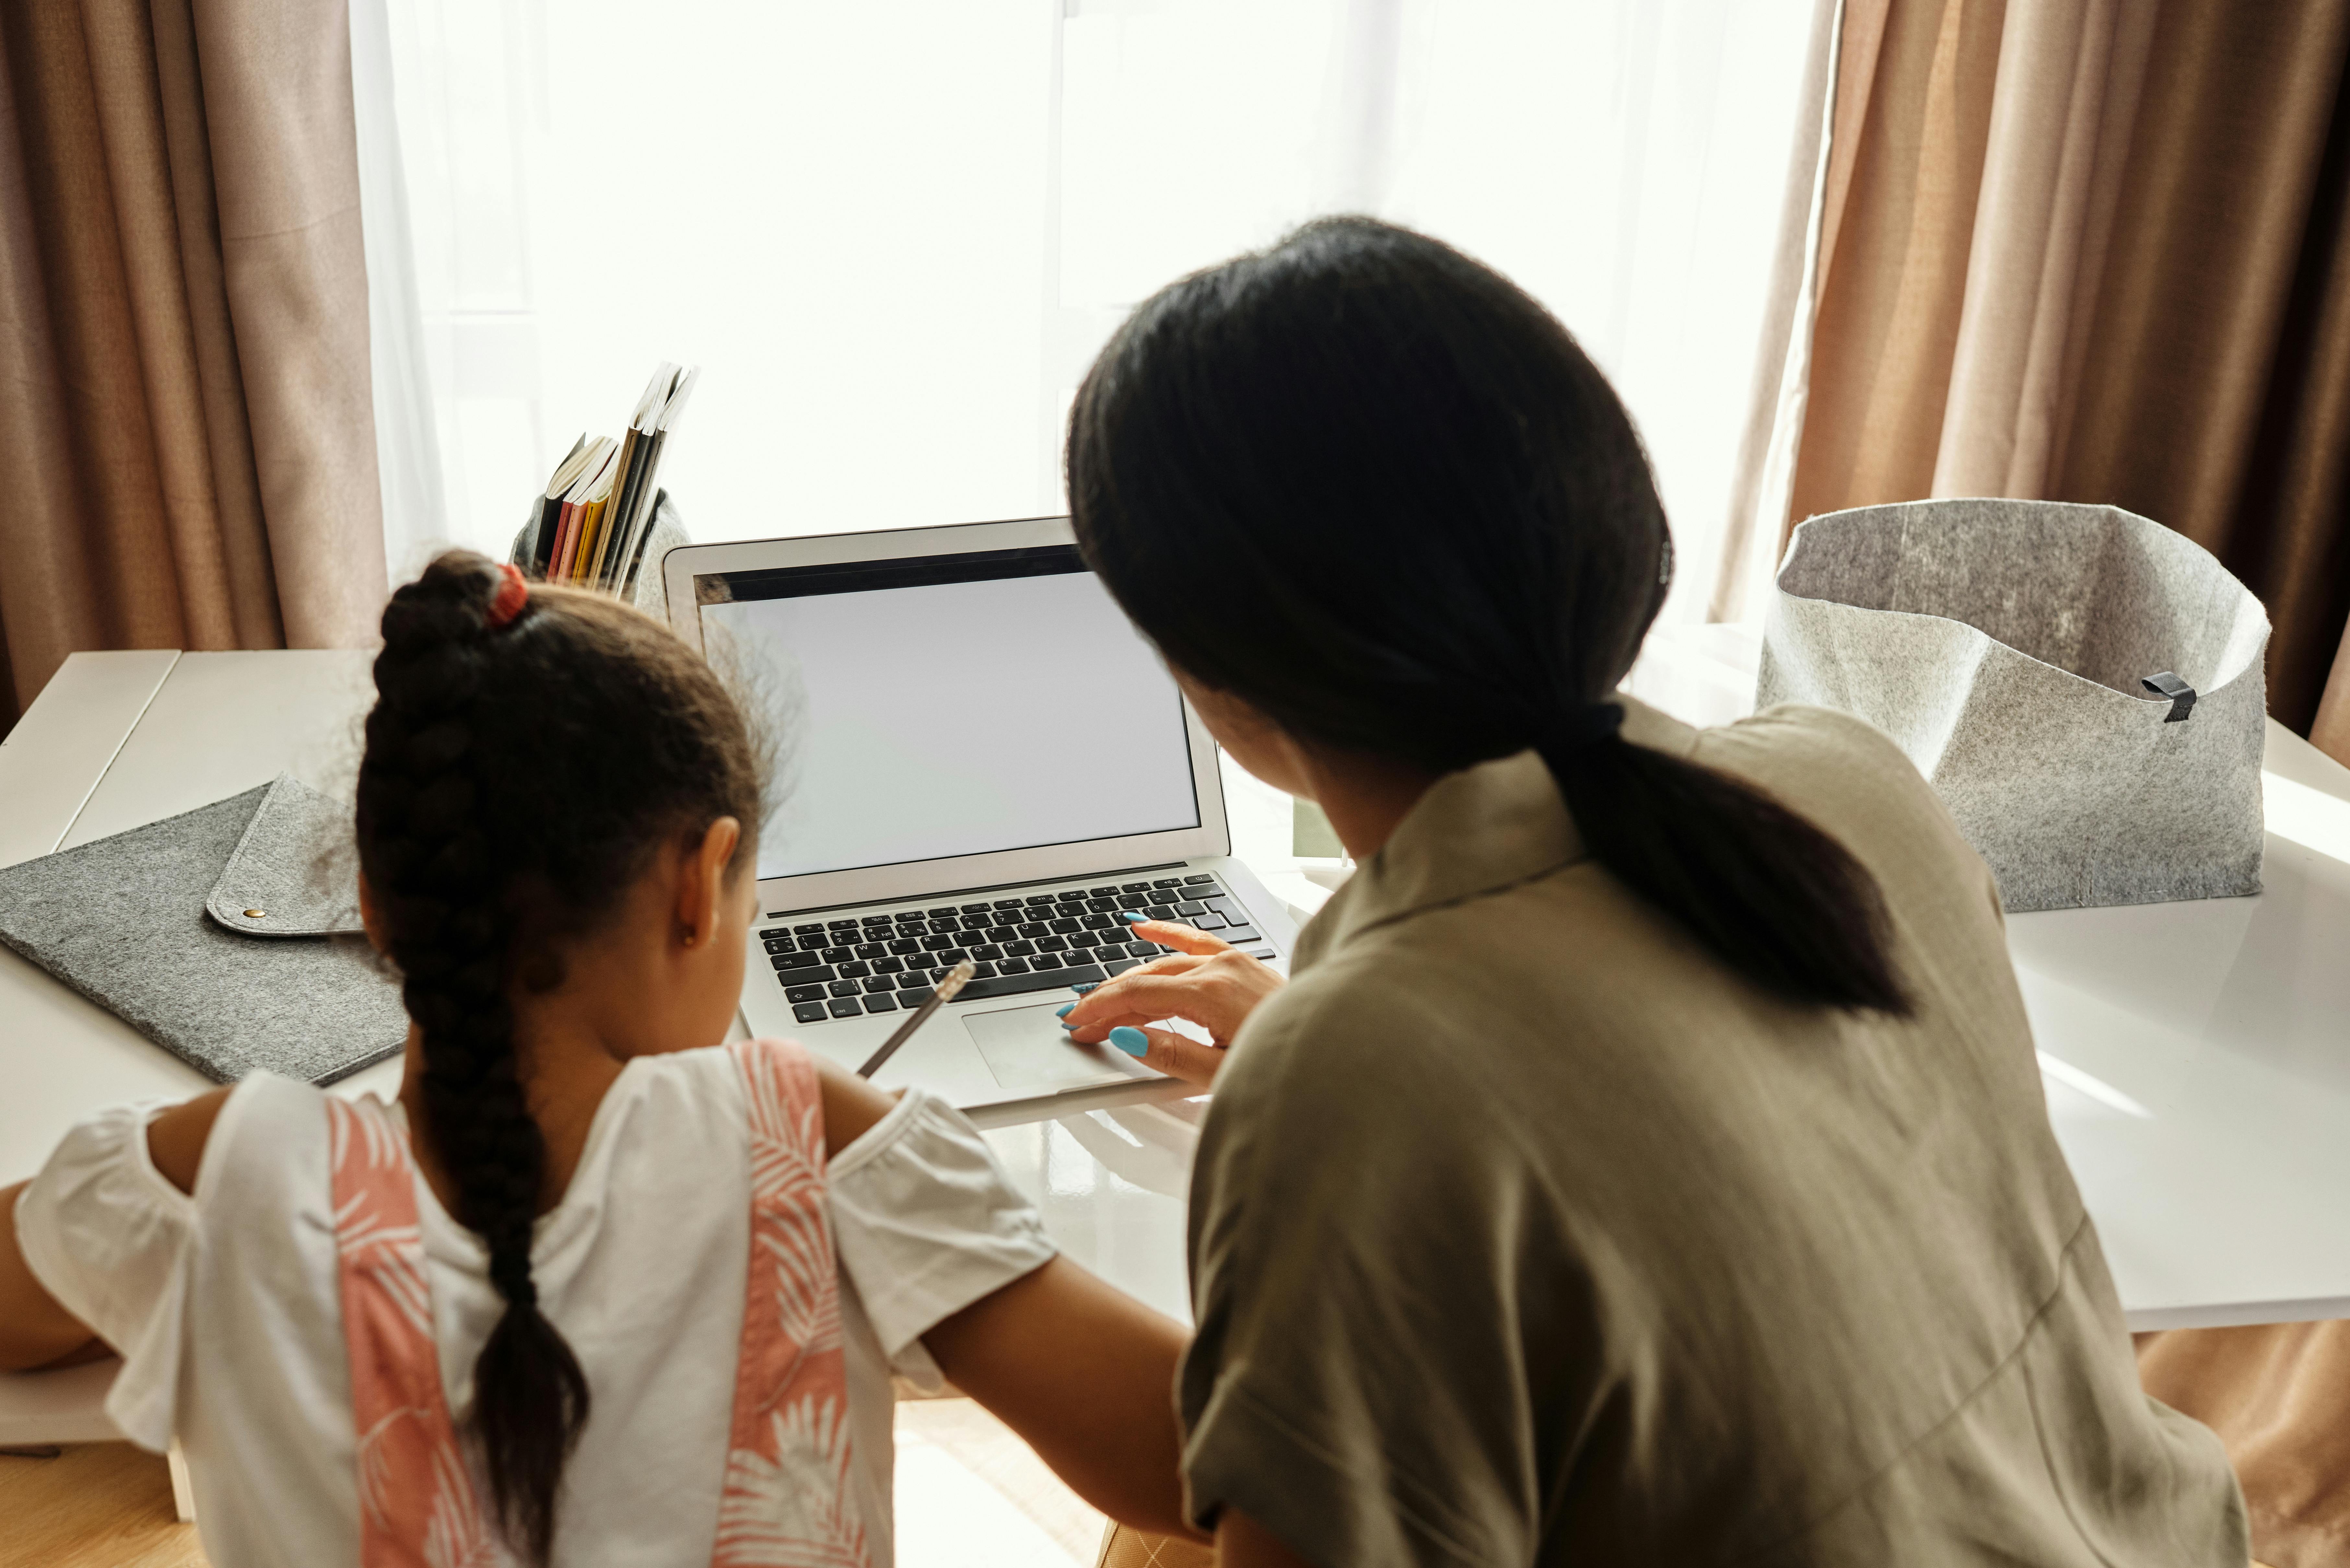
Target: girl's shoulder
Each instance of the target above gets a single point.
(272, 1135)
(693, 1108)
(706, 1073)
(265, 1126)
(704, 1085)
(270, 1142)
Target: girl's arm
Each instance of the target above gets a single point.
(34, 1331)
(1084, 1373)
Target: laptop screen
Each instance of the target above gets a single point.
(945, 705)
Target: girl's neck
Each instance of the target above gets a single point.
(564, 1084)
(649, 979)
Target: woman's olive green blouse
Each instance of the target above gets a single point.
(1524, 1232)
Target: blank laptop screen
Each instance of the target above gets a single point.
(946, 705)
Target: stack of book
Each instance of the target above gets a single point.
(597, 511)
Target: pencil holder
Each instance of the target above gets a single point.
(647, 592)
(2082, 687)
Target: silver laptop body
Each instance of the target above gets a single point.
(977, 756)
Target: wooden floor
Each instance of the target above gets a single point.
(95, 1505)
(970, 1495)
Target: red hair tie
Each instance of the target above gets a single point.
(513, 592)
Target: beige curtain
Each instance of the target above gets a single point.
(2280, 1398)
(1963, 137)
(186, 430)
(2093, 250)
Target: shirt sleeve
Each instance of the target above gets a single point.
(1363, 1263)
(925, 1222)
(111, 1238)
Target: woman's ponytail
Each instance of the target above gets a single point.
(1768, 893)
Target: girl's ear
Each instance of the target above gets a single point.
(704, 882)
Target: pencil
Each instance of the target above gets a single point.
(942, 993)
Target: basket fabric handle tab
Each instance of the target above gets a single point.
(2182, 696)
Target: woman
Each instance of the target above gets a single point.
(1646, 1160)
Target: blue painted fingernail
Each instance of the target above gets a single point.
(1081, 990)
(1130, 917)
(1063, 1011)
(1130, 1039)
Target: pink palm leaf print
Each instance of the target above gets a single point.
(418, 1506)
(788, 1498)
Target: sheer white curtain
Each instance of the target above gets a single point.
(408, 449)
(895, 234)
(1622, 159)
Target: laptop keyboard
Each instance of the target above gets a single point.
(852, 966)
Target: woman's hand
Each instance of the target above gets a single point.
(1206, 981)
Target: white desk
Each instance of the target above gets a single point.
(2198, 1054)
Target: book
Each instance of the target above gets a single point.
(566, 538)
(594, 503)
(640, 523)
(540, 544)
(595, 519)
(636, 446)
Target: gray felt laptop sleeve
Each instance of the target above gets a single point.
(229, 935)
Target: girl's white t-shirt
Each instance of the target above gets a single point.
(225, 1304)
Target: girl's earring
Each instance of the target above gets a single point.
(690, 938)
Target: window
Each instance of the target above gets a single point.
(894, 234)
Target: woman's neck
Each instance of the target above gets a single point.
(1365, 797)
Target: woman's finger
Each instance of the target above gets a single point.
(1217, 993)
(1164, 963)
(1137, 997)
(1176, 935)
(1168, 964)
(1170, 1054)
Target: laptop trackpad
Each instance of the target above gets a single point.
(1029, 1052)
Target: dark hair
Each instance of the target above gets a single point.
(516, 781)
(1373, 488)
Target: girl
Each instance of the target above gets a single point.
(585, 1294)
(1647, 1162)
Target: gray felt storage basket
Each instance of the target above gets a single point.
(2013, 649)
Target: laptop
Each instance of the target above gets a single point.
(979, 757)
